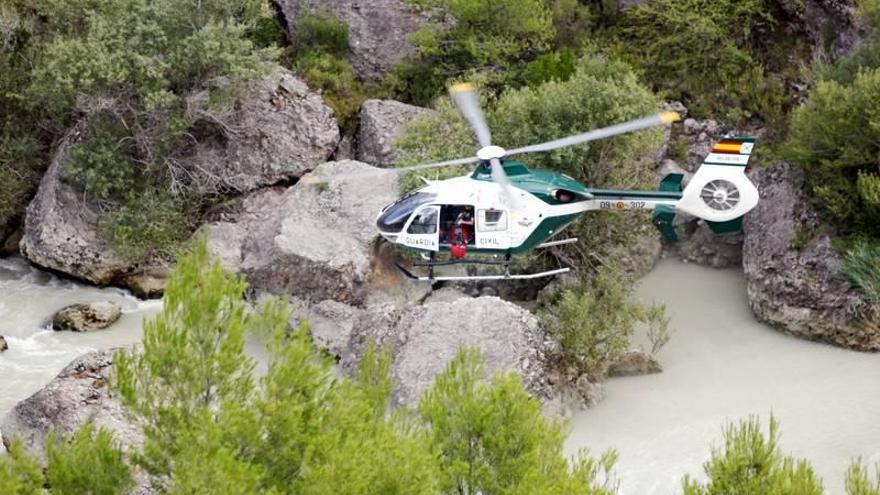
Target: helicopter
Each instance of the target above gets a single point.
(503, 208)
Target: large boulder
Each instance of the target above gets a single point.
(378, 30)
(78, 394)
(829, 25)
(60, 228)
(314, 241)
(279, 131)
(794, 280)
(424, 339)
(382, 122)
(87, 317)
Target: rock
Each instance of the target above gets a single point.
(698, 244)
(87, 317)
(148, 282)
(382, 122)
(445, 294)
(424, 339)
(798, 289)
(330, 323)
(829, 25)
(77, 395)
(378, 30)
(3, 345)
(9, 246)
(60, 227)
(310, 241)
(279, 131)
(634, 363)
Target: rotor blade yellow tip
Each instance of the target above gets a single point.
(461, 87)
(669, 117)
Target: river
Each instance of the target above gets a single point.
(28, 299)
(720, 364)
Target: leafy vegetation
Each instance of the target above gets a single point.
(702, 51)
(130, 67)
(861, 267)
(321, 51)
(594, 321)
(750, 462)
(89, 461)
(490, 38)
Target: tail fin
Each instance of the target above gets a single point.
(720, 192)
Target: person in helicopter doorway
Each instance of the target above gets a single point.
(465, 223)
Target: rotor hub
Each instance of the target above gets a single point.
(490, 152)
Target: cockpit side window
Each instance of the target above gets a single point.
(395, 216)
(425, 221)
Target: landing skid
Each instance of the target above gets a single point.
(507, 276)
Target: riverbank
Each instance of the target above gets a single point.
(721, 365)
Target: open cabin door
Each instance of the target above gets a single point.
(422, 231)
(492, 229)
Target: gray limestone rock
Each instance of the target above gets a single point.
(87, 317)
(797, 287)
(314, 241)
(382, 122)
(378, 30)
(279, 131)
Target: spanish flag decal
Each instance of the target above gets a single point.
(734, 146)
(731, 151)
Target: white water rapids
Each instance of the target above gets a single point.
(720, 364)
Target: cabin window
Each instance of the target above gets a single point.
(491, 221)
(425, 221)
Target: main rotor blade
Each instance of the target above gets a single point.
(311, 178)
(605, 132)
(500, 177)
(468, 102)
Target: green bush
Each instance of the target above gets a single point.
(101, 162)
(20, 474)
(335, 77)
(594, 321)
(861, 267)
(490, 37)
(492, 437)
(322, 32)
(835, 137)
(151, 223)
(87, 462)
(859, 483)
(750, 463)
(694, 49)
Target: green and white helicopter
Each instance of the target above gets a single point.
(504, 208)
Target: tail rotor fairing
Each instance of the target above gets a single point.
(720, 195)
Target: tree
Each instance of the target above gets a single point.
(20, 473)
(593, 322)
(492, 37)
(493, 438)
(210, 423)
(750, 463)
(90, 461)
(858, 481)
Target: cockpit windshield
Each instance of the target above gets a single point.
(394, 217)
